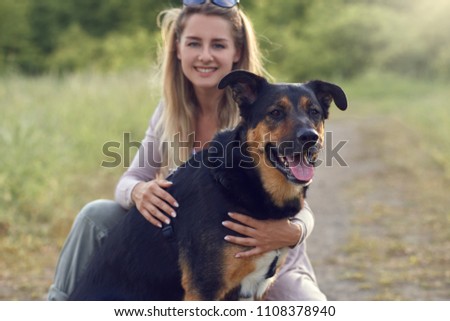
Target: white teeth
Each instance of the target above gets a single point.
(305, 159)
(205, 69)
(284, 161)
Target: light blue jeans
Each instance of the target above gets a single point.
(295, 281)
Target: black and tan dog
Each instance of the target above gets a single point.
(261, 168)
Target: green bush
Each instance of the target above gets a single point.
(345, 38)
(14, 45)
(329, 40)
(419, 43)
(115, 52)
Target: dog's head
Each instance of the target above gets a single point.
(285, 121)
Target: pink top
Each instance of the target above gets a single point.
(145, 167)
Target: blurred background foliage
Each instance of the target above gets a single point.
(301, 38)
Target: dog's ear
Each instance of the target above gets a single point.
(244, 84)
(327, 92)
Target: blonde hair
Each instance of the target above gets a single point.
(177, 121)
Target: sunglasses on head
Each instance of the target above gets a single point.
(219, 3)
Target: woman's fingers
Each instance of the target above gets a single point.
(158, 212)
(150, 217)
(239, 228)
(245, 219)
(162, 199)
(248, 242)
(161, 205)
(254, 251)
(153, 202)
(243, 241)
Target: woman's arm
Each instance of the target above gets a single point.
(268, 235)
(145, 165)
(139, 186)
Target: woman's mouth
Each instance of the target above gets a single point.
(205, 70)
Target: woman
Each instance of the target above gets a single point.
(202, 43)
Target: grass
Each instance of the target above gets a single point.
(52, 132)
(51, 137)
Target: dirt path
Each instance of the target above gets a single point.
(332, 207)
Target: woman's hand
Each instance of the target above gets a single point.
(262, 235)
(152, 200)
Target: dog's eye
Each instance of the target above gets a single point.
(276, 114)
(314, 112)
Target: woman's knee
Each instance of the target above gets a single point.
(103, 214)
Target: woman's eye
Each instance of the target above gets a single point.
(193, 44)
(218, 46)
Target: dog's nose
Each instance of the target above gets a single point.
(307, 137)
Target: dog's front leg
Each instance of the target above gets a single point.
(187, 282)
(217, 280)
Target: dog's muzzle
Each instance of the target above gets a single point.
(296, 159)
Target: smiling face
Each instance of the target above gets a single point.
(206, 50)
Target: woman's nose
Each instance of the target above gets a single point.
(205, 55)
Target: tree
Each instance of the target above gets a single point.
(14, 33)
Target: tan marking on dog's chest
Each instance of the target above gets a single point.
(249, 273)
(234, 269)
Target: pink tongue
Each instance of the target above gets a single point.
(301, 171)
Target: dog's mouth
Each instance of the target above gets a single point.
(297, 167)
